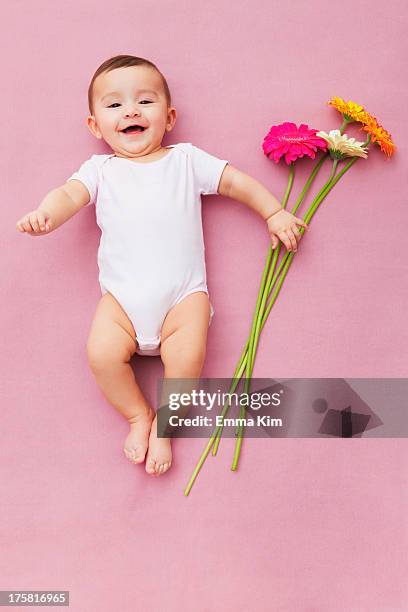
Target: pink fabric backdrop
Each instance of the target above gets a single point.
(304, 525)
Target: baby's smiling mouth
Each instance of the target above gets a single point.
(133, 128)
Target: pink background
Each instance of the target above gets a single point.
(304, 525)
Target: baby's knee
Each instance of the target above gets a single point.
(190, 357)
(102, 353)
(97, 353)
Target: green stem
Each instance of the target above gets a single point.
(309, 182)
(243, 359)
(262, 293)
(286, 262)
(255, 332)
(254, 339)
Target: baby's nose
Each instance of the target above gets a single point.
(132, 111)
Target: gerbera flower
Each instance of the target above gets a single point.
(340, 145)
(292, 142)
(350, 110)
(380, 136)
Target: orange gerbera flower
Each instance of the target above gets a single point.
(380, 136)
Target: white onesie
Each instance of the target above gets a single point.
(151, 252)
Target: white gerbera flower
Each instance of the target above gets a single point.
(340, 145)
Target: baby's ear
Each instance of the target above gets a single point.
(93, 127)
(171, 118)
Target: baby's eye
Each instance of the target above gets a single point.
(114, 104)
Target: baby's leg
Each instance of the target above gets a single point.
(183, 346)
(111, 344)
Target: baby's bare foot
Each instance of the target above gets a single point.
(159, 455)
(137, 441)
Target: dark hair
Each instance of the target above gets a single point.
(123, 61)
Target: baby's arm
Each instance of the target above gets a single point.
(281, 223)
(58, 206)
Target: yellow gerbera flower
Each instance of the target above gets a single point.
(350, 110)
(340, 145)
(380, 136)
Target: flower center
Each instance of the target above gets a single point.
(294, 138)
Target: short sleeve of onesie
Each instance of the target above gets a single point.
(207, 170)
(88, 174)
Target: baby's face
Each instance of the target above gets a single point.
(128, 96)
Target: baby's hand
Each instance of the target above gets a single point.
(35, 223)
(283, 225)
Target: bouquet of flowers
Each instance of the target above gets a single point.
(292, 143)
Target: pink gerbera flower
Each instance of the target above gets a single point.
(292, 142)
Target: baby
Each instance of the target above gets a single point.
(151, 255)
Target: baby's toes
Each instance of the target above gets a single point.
(138, 458)
(134, 455)
(163, 468)
(128, 454)
(151, 466)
